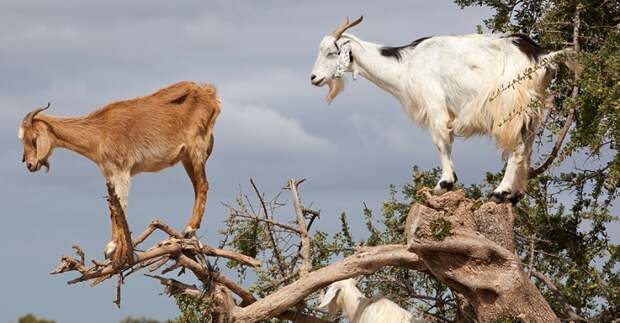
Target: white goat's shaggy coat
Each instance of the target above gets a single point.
(449, 84)
(344, 296)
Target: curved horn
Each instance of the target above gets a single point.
(30, 116)
(342, 28)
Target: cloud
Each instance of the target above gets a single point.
(396, 135)
(243, 129)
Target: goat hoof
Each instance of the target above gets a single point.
(506, 196)
(515, 198)
(442, 187)
(499, 196)
(446, 185)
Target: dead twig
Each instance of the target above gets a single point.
(303, 229)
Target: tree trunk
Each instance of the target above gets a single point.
(468, 245)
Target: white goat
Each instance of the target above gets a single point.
(453, 85)
(344, 296)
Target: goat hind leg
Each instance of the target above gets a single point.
(196, 172)
(514, 182)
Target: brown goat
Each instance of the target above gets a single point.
(146, 134)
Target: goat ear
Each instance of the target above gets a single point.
(326, 299)
(43, 145)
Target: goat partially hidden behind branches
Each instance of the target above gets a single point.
(146, 134)
(344, 296)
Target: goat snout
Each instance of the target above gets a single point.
(31, 167)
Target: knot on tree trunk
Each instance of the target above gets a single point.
(468, 245)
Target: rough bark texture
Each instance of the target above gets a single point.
(468, 245)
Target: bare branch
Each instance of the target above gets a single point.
(205, 276)
(155, 257)
(119, 285)
(157, 224)
(272, 240)
(175, 287)
(269, 222)
(303, 229)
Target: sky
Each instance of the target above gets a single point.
(81, 55)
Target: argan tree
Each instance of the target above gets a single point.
(454, 257)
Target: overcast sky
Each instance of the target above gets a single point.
(81, 55)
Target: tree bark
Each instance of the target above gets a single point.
(468, 245)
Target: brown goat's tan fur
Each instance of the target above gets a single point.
(145, 134)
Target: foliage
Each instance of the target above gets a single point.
(192, 310)
(440, 229)
(29, 318)
(139, 320)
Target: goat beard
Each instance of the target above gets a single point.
(336, 85)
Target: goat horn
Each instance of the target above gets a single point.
(30, 116)
(342, 28)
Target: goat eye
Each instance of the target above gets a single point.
(332, 54)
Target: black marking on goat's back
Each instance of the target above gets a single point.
(527, 46)
(396, 52)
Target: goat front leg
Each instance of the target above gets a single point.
(120, 248)
(443, 138)
(196, 171)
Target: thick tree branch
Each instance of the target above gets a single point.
(364, 262)
(469, 247)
